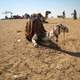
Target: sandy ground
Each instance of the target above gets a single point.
(19, 60)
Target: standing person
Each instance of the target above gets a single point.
(74, 14)
(64, 15)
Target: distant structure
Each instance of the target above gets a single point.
(62, 16)
(74, 14)
(25, 16)
(6, 13)
(16, 17)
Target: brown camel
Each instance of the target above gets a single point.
(34, 26)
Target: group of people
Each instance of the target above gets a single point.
(74, 14)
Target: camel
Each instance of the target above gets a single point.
(54, 33)
(34, 26)
(35, 31)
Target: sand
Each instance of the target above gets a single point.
(19, 60)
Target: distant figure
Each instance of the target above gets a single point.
(64, 15)
(74, 14)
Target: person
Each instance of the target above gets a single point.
(74, 14)
(63, 14)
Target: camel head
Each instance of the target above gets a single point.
(47, 13)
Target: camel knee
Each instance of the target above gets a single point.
(34, 41)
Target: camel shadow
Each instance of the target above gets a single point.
(55, 46)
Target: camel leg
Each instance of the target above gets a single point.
(45, 39)
(34, 40)
(56, 38)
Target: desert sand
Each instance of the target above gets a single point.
(19, 60)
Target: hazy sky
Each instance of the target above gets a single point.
(31, 6)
